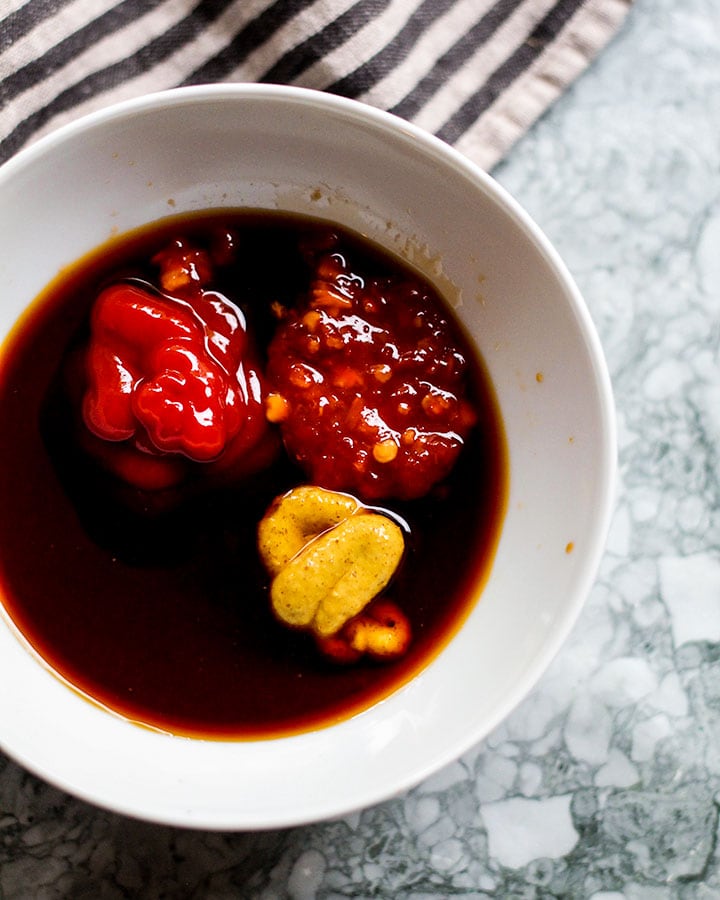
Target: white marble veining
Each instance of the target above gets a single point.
(605, 783)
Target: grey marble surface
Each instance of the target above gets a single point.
(605, 783)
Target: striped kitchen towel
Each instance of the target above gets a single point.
(477, 73)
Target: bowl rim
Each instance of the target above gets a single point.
(336, 805)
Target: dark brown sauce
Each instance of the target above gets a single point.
(164, 617)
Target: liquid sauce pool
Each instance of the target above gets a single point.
(160, 611)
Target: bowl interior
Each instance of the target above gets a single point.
(289, 149)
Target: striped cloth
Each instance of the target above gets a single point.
(477, 73)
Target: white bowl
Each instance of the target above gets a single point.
(291, 149)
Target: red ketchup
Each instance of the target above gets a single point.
(171, 379)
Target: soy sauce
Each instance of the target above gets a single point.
(159, 610)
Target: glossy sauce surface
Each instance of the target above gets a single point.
(159, 610)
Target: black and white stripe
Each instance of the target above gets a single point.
(475, 72)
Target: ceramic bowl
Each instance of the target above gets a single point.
(275, 147)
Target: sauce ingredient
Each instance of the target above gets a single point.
(171, 375)
(161, 611)
(381, 630)
(368, 381)
(296, 518)
(328, 556)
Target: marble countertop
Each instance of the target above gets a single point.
(605, 783)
